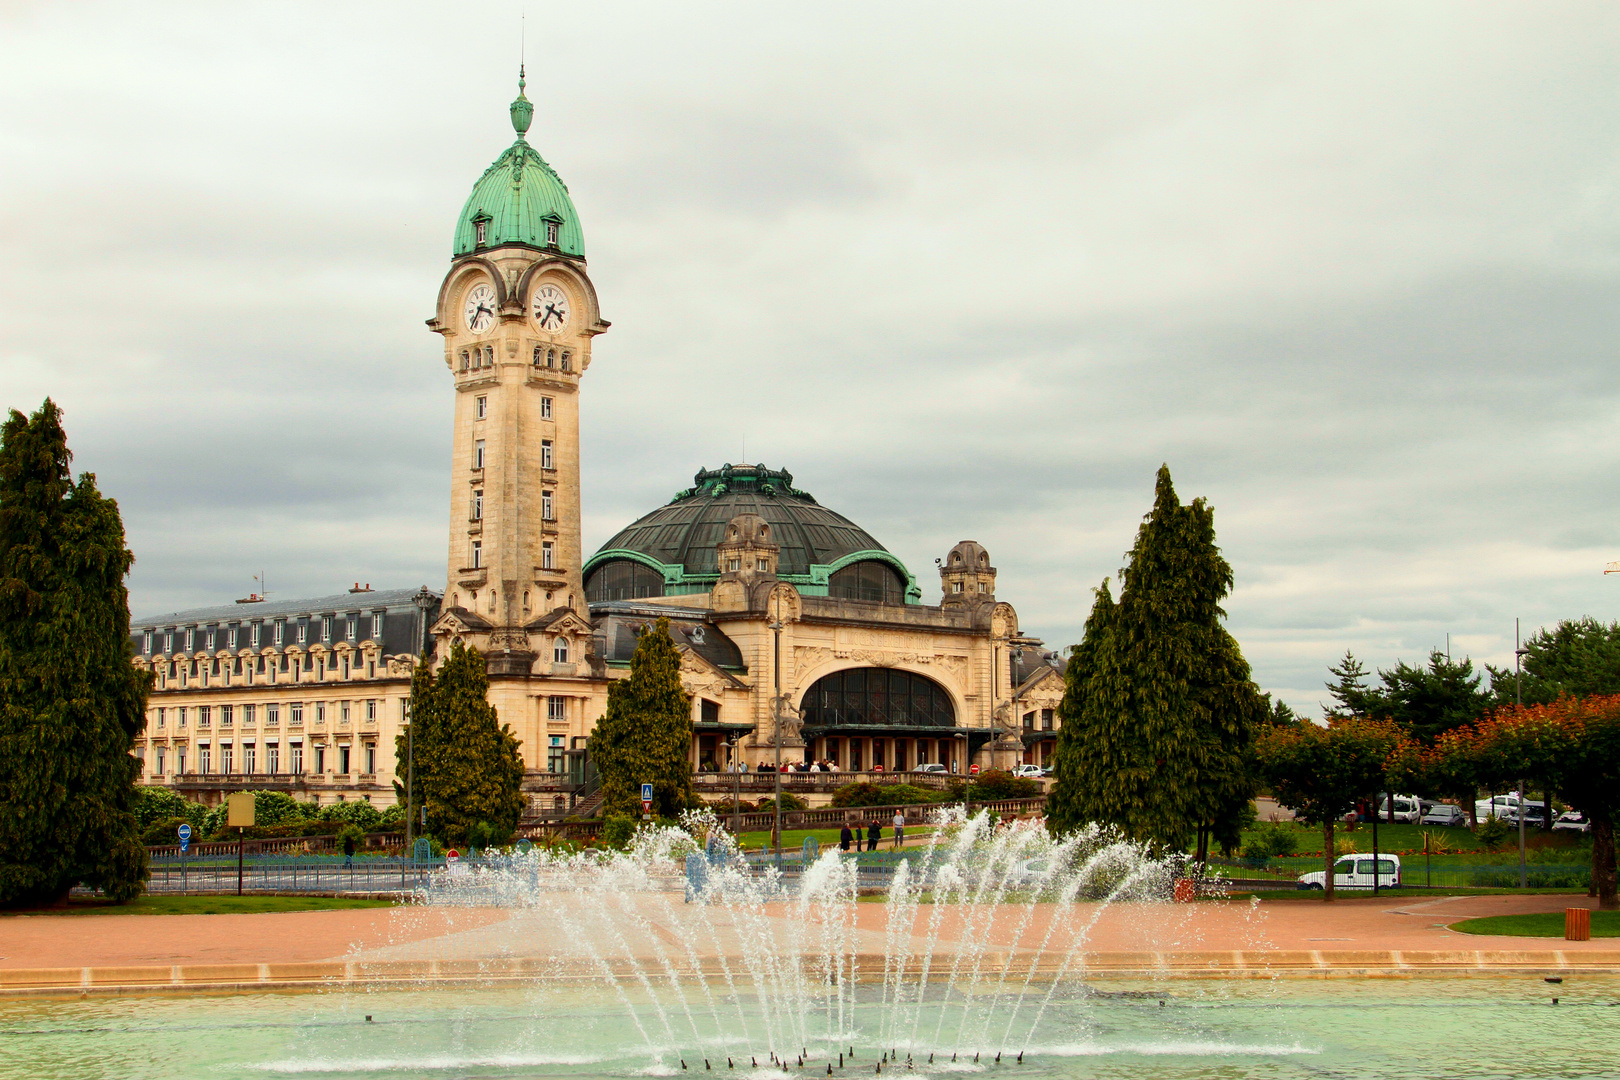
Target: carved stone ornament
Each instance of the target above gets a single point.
(789, 721)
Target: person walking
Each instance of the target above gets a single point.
(845, 837)
(899, 829)
(874, 833)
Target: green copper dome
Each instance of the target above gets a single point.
(519, 199)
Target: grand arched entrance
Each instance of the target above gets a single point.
(868, 718)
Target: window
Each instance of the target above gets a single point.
(623, 579)
(159, 762)
(1029, 721)
(545, 414)
(203, 764)
(225, 716)
(250, 764)
(146, 639)
(376, 625)
(489, 356)
(867, 580)
(482, 238)
(230, 638)
(298, 758)
(160, 716)
(191, 638)
(320, 759)
(466, 360)
(478, 504)
(1046, 719)
(180, 760)
(210, 639)
(545, 454)
(551, 358)
(556, 759)
(956, 586)
(326, 628)
(483, 407)
(202, 715)
(272, 759)
(320, 712)
(343, 760)
(254, 636)
(182, 713)
(559, 651)
(478, 454)
(546, 509)
(168, 641)
(551, 233)
(345, 665)
(567, 360)
(371, 757)
(225, 759)
(477, 554)
(539, 356)
(354, 625)
(281, 633)
(248, 714)
(733, 565)
(877, 696)
(371, 712)
(548, 555)
(343, 711)
(295, 714)
(556, 708)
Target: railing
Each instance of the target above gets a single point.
(720, 783)
(269, 845)
(309, 874)
(755, 821)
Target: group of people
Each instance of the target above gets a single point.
(823, 765)
(849, 837)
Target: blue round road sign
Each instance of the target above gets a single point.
(185, 831)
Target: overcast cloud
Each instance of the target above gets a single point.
(968, 271)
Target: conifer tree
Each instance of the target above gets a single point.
(468, 766)
(645, 737)
(71, 703)
(1158, 709)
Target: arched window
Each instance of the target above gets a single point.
(623, 579)
(559, 651)
(877, 697)
(867, 580)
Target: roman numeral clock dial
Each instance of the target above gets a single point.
(480, 308)
(550, 308)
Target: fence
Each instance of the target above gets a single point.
(310, 874)
(273, 845)
(827, 817)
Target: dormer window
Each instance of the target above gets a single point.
(559, 651)
(551, 234)
(481, 230)
(733, 565)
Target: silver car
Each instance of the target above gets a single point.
(1445, 814)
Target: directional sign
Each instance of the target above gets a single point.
(646, 793)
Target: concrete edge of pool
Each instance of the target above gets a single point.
(217, 978)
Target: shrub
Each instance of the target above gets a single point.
(1275, 839)
(350, 833)
(361, 814)
(617, 830)
(393, 817)
(271, 808)
(881, 795)
(1492, 834)
(165, 831)
(996, 785)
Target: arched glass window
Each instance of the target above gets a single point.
(867, 580)
(877, 697)
(623, 579)
(559, 651)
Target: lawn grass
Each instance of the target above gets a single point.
(207, 905)
(1461, 844)
(1543, 924)
(1387, 895)
(793, 839)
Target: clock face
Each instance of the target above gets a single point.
(550, 307)
(480, 309)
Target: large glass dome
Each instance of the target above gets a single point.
(671, 551)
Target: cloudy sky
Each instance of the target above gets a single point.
(969, 271)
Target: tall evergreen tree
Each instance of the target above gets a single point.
(1578, 658)
(645, 737)
(468, 767)
(1424, 700)
(71, 702)
(1158, 710)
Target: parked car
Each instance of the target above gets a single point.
(1445, 814)
(1504, 806)
(1534, 816)
(931, 767)
(1356, 872)
(1572, 821)
(1034, 772)
(1408, 810)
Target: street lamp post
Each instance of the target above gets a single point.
(1518, 699)
(736, 773)
(776, 736)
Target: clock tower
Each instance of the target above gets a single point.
(517, 313)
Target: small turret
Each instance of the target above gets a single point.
(747, 553)
(966, 575)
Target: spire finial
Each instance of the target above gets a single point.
(522, 109)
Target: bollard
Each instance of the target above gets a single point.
(1577, 924)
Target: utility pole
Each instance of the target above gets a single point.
(1518, 700)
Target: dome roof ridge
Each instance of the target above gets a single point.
(751, 478)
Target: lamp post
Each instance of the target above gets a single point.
(736, 799)
(776, 734)
(1518, 699)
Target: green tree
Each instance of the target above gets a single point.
(1158, 710)
(1424, 700)
(468, 766)
(1578, 658)
(71, 703)
(1320, 772)
(645, 737)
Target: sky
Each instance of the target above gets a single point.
(968, 271)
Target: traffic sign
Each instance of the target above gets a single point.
(452, 855)
(185, 832)
(646, 793)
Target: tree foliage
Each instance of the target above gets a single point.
(1576, 658)
(71, 703)
(1320, 772)
(645, 737)
(1158, 710)
(1424, 701)
(1571, 745)
(468, 768)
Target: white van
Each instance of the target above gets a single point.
(1408, 809)
(1500, 806)
(1356, 872)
